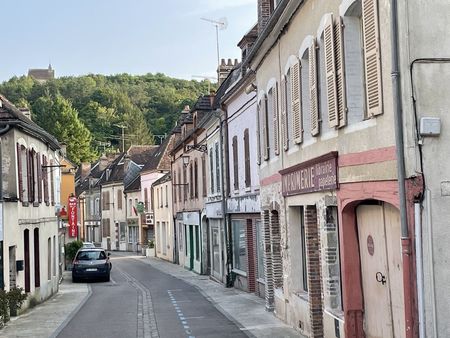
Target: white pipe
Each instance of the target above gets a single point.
(419, 265)
(431, 260)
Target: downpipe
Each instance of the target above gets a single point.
(398, 125)
(419, 268)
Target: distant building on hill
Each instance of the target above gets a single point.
(42, 75)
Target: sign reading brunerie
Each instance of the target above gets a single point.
(72, 217)
(314, 175)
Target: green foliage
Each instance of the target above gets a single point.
(147, 105)
(10, 302)
(72, 248)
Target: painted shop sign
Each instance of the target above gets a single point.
(314, 175)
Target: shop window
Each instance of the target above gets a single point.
(239, 245)
(297, 243)
(331, 259)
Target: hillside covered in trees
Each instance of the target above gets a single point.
(88, 112)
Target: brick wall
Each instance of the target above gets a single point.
(264, 11)
(314, 271)
(251, 256)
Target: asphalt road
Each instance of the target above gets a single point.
(141, 301)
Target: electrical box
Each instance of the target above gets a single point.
(19, 265)
(430, 126)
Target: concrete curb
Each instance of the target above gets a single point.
(73, 313)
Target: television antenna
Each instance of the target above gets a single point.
(207, 78)
(221, 24)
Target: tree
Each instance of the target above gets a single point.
(59, 118)
(138, 132)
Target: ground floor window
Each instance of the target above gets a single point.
(260, 248)
(163, 238)
(215, 249)
(123, 231)
(239, 244)
(197, 243)
(133, 236)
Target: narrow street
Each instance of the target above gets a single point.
(141, 301)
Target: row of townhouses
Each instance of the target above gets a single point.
(36, 181)
(313, 177)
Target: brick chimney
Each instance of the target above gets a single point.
(85, 170)
(26, 112)
(224, 69)
(103, 162)
(265, 9)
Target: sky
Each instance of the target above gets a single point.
(120, 36)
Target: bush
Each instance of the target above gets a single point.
(151, 244)
(10, 302)
(72, 248)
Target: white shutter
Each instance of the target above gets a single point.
(258, 132)
(313, 95)
(276, 123)
(284, 122)
(330, 71)
(295, 103)
(372, 61)
(340, 72)
(265, 131)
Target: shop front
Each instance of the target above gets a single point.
(216, 240)
(192, 241)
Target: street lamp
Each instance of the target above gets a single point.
(185, 160)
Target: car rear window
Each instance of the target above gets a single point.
(91, 255)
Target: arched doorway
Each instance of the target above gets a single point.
(379, 234)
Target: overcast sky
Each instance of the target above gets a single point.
(120, 36)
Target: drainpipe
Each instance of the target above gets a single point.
(398, 119)
(224, 152)
(419, 265)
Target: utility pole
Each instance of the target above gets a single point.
(122, 126)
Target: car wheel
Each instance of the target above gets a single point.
(75, 279)
(108, 278)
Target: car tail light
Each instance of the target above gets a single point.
(75, 262)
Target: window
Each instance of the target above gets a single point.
(195, 178)
(167, 196)
(161, 197)
(97, 206)
(119, 199)
(52, 184)
(123, 231)
(130, 207)
(145, 199)
(158, 237)
(313, 89)
(185, 186)
(204, 175)
(248, 178)
(163, 238)
(260, 249)
(305, 101)
(174, 190)
(270, 124)
(197, 243)
(136, 203)
(22, 173)
(191, 180)
(218, 167)
(211, 169)
(235, 163)
(239, 244)
(265, 146)
(106, 229)
(303, 245)
(105, 200)
(258, 132)
(49, 258)
(45, 179)
(179, 187)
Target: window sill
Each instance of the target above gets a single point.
(261, 281)
(25, 204)
(336, 314)
(35, 204)
(239, 272)
(303, 295)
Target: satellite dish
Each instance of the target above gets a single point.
(223, 23)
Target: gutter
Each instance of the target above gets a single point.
(399, 142)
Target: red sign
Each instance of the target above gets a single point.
(317, 174)
(73, 227)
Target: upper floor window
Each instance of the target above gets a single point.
(235, 163)
(195, 178)
(145, 199)
(218, 166)
(97, 206)
(105, 200)
(211, 168)
(167, 196)
(248, 180)
(191, 180)
(119, 199)
(204, 175)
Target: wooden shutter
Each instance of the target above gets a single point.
(119, 199)
(45, 179)
(330, 72)
(30, 174)
(235, 163)
(204, 175)
(297, 127)
(265, 132)
(276, 123)
(340, 72)
(283, 104)
(52, 183)
(372, 62)
(248, 180)
(258, 132)
(39, 177)
(19, 171)
(313, 94)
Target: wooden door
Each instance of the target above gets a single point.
(12, 267)
(374, 271)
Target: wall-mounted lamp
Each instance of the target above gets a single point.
(185, 160)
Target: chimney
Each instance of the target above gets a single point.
(265, 9)
(26, 112)
(85, 170)
(224, 69)
(103, 162)
(64, 149)
(126, 163)
(212, 96)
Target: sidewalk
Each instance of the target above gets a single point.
(245, 309)
(47, 319)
